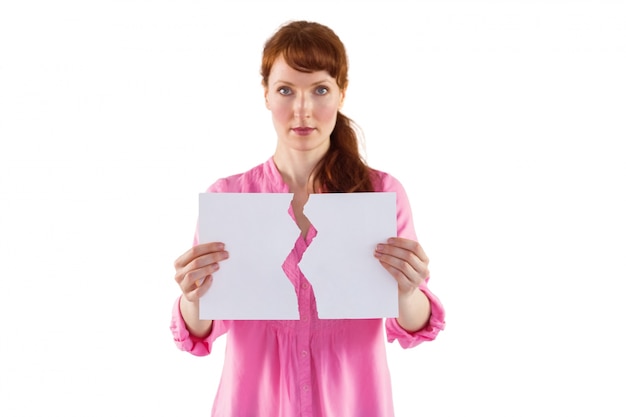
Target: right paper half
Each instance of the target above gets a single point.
(348, 281)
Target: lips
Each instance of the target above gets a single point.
(303, 131)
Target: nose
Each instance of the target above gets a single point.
(303, 106)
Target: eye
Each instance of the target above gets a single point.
(285, 91)
(321, 90)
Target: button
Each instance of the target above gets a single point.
(304, 353)
(304, 285)
(305, 387)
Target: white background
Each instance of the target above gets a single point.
(505, 121)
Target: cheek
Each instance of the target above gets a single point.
(280, 112)
(327, 113)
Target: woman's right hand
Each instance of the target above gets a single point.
(195, 268)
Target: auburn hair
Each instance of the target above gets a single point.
(309, 47)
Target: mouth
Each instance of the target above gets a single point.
(303, 131)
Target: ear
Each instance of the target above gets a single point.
(343, 94)
(265, 93)
(342, 98)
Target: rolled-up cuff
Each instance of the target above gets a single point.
(184, 340)
(427, 333)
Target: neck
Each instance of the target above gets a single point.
(296, 168)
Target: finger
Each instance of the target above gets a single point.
(196, 251)
(198, 288)
(403, 281)
(202, 265)
(410, 245)
(400, 260)
(195, 278)
(421, 254)
(202, 283)
(403, 261)
(398, 257)
(205, 260)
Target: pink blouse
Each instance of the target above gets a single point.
(308, 367)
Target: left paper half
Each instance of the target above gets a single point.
(258, 233)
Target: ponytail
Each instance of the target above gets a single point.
(343, 169)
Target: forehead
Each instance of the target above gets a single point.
(282, 72)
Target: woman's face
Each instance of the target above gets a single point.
(304, 107)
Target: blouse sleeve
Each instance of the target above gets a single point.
(182, 338)
(429, 332)
(406, 230)
(189, 343)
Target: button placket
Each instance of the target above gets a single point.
(304, 338)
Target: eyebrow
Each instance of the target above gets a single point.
(324, 81)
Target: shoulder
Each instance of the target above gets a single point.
(260, 178)
(385, 182)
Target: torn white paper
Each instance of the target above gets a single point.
(258, 233)
(347, 279)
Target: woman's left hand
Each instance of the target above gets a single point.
(405, 260)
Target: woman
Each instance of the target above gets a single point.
(308, 367)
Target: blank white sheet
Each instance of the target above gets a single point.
(348, 280)
(258, 233)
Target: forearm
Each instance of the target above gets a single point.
(414, 310)
(191, 313)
